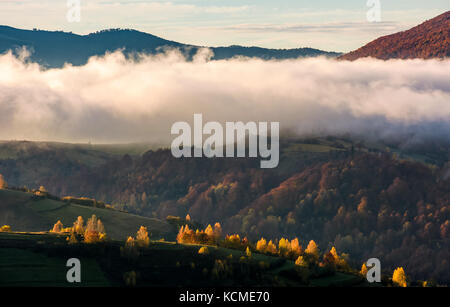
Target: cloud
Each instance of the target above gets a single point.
(112, 99)
(328, 27)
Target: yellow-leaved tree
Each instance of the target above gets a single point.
(301, 261)
(261, 245)
(95, 231)
(399, 277)
(364, 270)
(312, 249)
(203, 250)
(142, 238)
(248, 252)
(58, 227)
(5, 228)
(3, 184)
(78, 226)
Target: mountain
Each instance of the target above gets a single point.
(54, 48)
(430, 39)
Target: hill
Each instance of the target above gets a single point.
(428, 40)
(23, 212)
(368, 200)
(32, 259)
(54, 48)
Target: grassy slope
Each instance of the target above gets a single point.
(22, 213)
(20, 267)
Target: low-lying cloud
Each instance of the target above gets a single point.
(114, 99)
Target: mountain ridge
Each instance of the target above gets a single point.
(430, 39)
(55, 48)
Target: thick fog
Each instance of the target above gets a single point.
(114, 99)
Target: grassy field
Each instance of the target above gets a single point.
(23, 213)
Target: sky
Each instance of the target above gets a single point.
(324, 24)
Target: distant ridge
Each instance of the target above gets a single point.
(430, 39)
(54, 48)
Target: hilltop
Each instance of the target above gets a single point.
(428, 40)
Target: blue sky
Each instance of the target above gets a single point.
(325, 24)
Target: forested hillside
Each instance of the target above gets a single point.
(366, 201)
(428, 40)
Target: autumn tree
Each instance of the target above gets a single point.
(209, 235)
(296, 248)
(5, 228)
(3, 184)
(58, 227)
(203, 250)
(301, 261)
(142, 238)
(261, 245)
(364, 270)
(93, 234)
(290, 249)
(332, 258)
(312, 249)
(100, 227)
(399, 277)
(248, 252)
(271, 248)
(78, 226)
(209, 231)
(234, 241)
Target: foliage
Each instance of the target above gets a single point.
(203, 250)
(58, 227)
(364, 270)
(78, 226)
(142, 238)
(3, 184)
(95, 231)
(425, 41)
(399, 277)
(360, 199)
(5, 228)
(207, 236)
